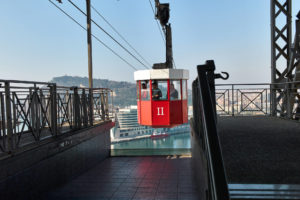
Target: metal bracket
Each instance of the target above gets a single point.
(217, 76)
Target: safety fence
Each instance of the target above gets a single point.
(34, 111)
(258, 99)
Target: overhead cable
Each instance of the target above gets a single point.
(93, 36)
(109, 35)
(119, 34)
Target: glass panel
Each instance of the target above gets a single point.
(138, 90)
(175, 90)
(160, 90)
(184, 90)
(145, 91)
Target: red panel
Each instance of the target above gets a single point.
(160, 113)
(139, 111)
(146, 115)
(175, 112)
(138, 85)
(184, 111)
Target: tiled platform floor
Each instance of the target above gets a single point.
(145, 178)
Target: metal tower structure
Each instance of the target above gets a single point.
(281, 34)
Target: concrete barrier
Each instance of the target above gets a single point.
(199, 163)
(29, 173)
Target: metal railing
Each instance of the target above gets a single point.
(205, 127)
(33, 111)
(256, 99)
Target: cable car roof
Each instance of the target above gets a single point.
(161, 74)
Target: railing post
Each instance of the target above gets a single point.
(102, 106)
(211, 82)
(43, 108)
(106, 106)
(74, 110)
(31, 111)
(36, 112)
(289, 108)
(53, 110)
(112, 104)
(273, 101)
(267, 101)
(14, 119)
(84, 107)
(77, 115)
(8, 118)
(2, 119)
(232, 100)
(91, 107)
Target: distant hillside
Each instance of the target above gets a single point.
(125, 92)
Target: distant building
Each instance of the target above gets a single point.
(127, 124)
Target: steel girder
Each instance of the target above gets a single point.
(281, 34)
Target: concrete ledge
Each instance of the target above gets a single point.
(29, 173)
(150, 152)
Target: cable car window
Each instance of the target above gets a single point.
(175, 91)
(160, 90)
(138, 90)
(145, 91)
(184, 90)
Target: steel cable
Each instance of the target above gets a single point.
(93, 36)
(119, 34)
(109, 35)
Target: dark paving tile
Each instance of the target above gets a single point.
(124, 194)
(127, 189)
(166, 195)
(187, 189)
(144, 196)
(128, 185)
(163, 182)
(149, 185)
(133, 178)
(167, 189)
(188, 196)
(147, 190)
(147, 180)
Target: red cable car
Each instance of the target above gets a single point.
(162, 91)
(162, 97)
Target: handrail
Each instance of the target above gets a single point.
(36, 111)
(205, 122)
(284, 83)
(256, 99)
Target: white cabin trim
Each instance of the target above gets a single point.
(161, 74)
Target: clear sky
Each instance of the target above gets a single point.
(38, 42)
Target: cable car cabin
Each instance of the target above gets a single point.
(162, 97)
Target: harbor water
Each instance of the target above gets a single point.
(179, 143)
